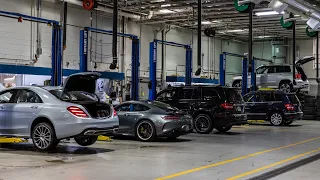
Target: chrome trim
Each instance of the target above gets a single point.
(100, 132)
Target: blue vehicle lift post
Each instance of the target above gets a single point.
(223, 62)
(153, 64)
(56, 49)
(253, 71)
(84, 40)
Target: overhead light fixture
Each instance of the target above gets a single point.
(268, 13)
(155, 1)
(206, 22)
(165, 11)
(232, 31)
(277, 6)
(209, 6)
(165, 5)
(263, 37)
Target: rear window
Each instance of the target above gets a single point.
(293, 99)
(162, 105)
(233, 95)
(73, 96)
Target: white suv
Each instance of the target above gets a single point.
(279, 76)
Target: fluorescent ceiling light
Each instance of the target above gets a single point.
(262, 37)
(165, 11)
(267, 13)
(165, 5)
(206, 22)
(155, 1)
(235, 30)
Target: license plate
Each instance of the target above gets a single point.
(238, 109)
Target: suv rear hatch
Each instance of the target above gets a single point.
(233, 101)
(301, 74)
(295, 101)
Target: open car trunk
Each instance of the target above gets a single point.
(301, 62)
(96, 109)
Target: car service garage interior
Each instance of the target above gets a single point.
(159, 89)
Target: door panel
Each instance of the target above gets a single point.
(2, 119)
(21, 113)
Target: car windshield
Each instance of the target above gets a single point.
(293, 99)
(74, 95)
(163, 106)
(261, 70)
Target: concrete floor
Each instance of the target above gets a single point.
(242, 152)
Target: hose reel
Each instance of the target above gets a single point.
(89, 4)
(311, 33)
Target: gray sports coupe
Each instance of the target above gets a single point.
(149, 120)
(50, 114)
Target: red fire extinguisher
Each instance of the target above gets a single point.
(89, 4)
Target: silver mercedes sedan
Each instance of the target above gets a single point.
(149, 120)
(50, 114)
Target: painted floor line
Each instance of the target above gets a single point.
(272, 165)
(233, 160)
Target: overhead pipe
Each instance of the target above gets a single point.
(39, 38)
(113, 65)
(198, 72)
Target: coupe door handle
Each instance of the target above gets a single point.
(34, 107)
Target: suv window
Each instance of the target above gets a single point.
(185, 94)
(27, 96)
(167, 94)
(271, 69)
(210, 94)
(233, 95)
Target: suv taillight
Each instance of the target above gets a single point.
(289, 107)
(227, 106)
(170, 117)
(298, 76)
(77, 111)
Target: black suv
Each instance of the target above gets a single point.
(210, 106)
(275, 106)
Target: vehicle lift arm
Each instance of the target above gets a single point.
(135, 61)
(153, 64)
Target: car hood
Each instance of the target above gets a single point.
(81, 82)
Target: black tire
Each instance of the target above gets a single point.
(145, 131)
(203, 120)
(46, 139)
(86, 140)
(223, 129)
(287, 123)
(309, 117)
(285, 86)
(276, 118)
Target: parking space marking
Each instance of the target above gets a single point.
(234, 159)
(272, 165)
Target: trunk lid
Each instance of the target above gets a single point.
(304, 60)
(85, 82)
(295, 101)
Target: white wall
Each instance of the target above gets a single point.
(18, 41)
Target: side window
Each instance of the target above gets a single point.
(248, 98)
(209, 94)
(26, 96)
(287, 68)
(123, 107)
(280, 69)
(260, 98)
(196, 94)
(271, 70)
(185, 93)
(7, 96)
(139, 107)
(269, 97)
